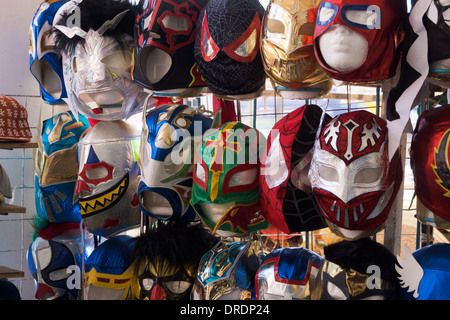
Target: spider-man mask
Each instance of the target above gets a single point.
(430, 163)
(376, 22)
(164, 45)
(225, 192)
(167, 144)
(227, 47)
(108, 177)
(352, 178)
(286, 197)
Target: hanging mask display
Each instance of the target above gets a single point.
(227, 272)
(289, 274)
(56, 168)
(166, 161)
(168, 258)
(424, 273)
(45, 62)
(225, 192)
(227, 48)
(108, 272)
(97, 57)
(55, 259)
(357, 41)
(287, 50)
(359, 270)
(287, 201)
(430, 165)
(354, 181)
(425, 58)
(107, 183)
(164, 47)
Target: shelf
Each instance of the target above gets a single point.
(10, 208)
(6, 272)
(17, 145)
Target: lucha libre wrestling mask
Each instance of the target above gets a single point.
(166, 161)
(287, 202)
(45, 62)
(227, 272)
(108, 272)
(227, 47)
(55, 259)
(96, 65)
(287, 49)
(168, 257)
(430, 164)
(438, 29)
(353, 180)
(108, 177)
(225, 192)
(56, 168)
(356, 41)
(359, 270)
(424, 274)
(164, 47)
(289, 274)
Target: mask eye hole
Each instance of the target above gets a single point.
(362, 16)
(369, 175)
(200, 172)
(275, 26)
(208, 46)
(178, 24)
(328, 173)
(120, 60)
(327, 13)
(245, 48)
(58, 275)
(243, 178)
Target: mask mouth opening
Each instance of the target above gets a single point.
(47, 77)
(155, 63)
(110, 100)
(155, 203)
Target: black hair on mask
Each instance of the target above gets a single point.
(175, 243)
(360, 254)
(93, 14)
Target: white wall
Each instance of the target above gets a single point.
(16, 81)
